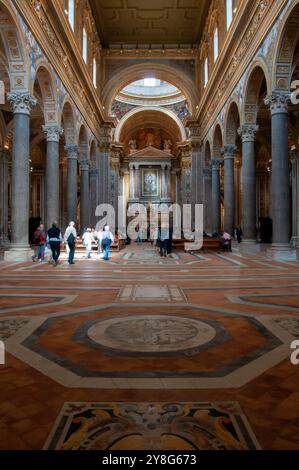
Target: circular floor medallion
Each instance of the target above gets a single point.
(151, 333)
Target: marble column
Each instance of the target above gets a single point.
(84, 195)
(207, 174)
(186, 161)
(247, 133)
(216, 195)
(137, 185)
(229, 188)
(93, 177)
(168, 182)
(52, 174)
(104, 165)
(163, 182)
(4, 156)
(295, 197)
(281, 203)
(132, 181)
(21, 104)
(72, 182)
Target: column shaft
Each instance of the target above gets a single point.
(229, 189)
(216, 196)
(72, 155)
(84, 196)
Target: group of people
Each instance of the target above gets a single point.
(54, 240)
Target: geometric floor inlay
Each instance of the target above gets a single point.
(152, 426)
(132, 293)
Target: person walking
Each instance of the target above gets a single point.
(70, 238)
(55, 238)
(106, 238)
(87, 241)
(39, 239)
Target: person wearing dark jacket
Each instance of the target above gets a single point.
(55, 238)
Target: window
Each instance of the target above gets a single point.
(151, 82)
(84, 45)
(206, 72)
(71, 14)
(216, 44)
(229, 13)
(94, 72)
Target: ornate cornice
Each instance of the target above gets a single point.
(53, 133)
(21, 103)
(278, 103)
(248, 132)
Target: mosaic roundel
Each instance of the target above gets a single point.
(151, 333)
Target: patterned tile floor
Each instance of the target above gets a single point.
(187, 333)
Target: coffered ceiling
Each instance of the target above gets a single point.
(152, 22)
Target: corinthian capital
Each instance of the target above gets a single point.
(248, 132)
(72, 151)
(278, 103)
(21, 103)
(229, 151)
(216, 163)
(53, 133)
(84, 165)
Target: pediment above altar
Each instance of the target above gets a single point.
(151, 152)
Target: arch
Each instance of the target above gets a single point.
(207, 153)
(232, 123)
(165, 116)
(67, 121)
(125, 76)
(288, 35)
(45, 77)
(256, 75)
(217, 141)
(14, 45)
(93, 152)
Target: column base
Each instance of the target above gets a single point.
(18, 254)
(249, 246)
(295, 242)
(282, 252)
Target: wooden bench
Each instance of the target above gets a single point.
(208, 244)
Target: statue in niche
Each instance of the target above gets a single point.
(132, 145)
(167, 144)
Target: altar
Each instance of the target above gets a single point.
(150, 176)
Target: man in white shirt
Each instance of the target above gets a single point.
(70, 238)
(106, 238)
(88, 240)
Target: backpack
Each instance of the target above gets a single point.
(71, 239)
(106, 240)
(37, 237)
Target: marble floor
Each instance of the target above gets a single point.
(192, 341)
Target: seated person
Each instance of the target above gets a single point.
(226, 241)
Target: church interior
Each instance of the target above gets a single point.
(173, 103)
